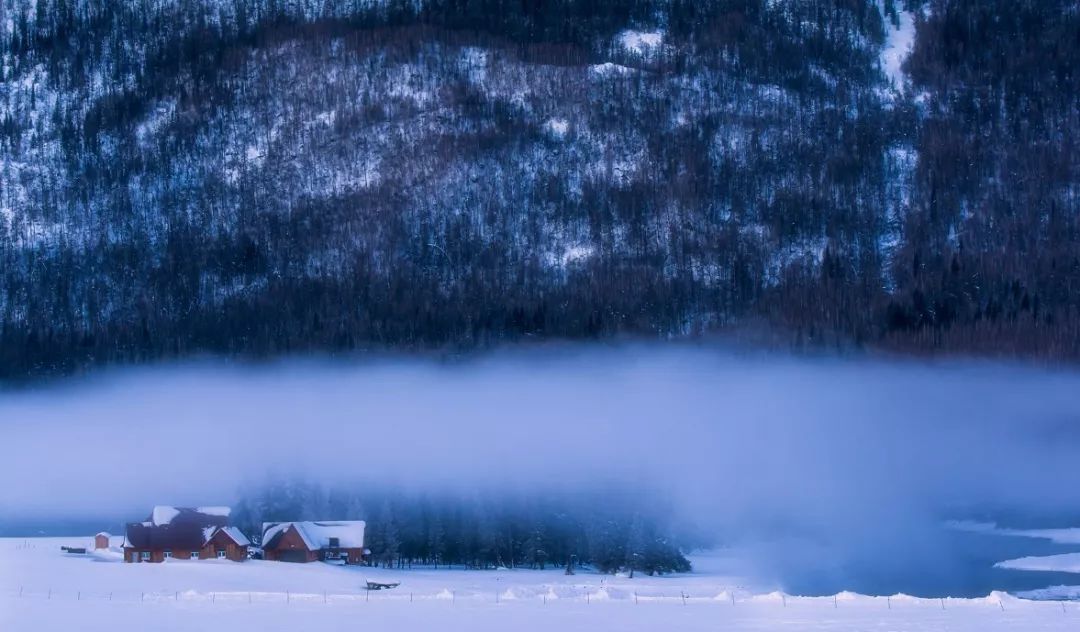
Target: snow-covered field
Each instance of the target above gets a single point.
(43, 589)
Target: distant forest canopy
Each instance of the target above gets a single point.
(259, 177)
(610, 530)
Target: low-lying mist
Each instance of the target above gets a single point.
(809, 468)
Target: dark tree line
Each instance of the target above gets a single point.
(259, 177)
(609, 531)
(991, 259)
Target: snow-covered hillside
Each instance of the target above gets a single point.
(44, 589)
(260, 177)
(387, 166)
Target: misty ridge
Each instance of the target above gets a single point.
(795, 463)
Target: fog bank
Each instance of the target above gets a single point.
(797, 461)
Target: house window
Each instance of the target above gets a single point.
(168, 554)
(334, 543)
(145, 556)
(194, 555)
(221, 554)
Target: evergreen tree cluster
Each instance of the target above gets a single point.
(609, 531)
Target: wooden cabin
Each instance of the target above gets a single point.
(340, 541)
(183, 533)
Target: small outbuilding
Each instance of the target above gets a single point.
(101, 541)
(340, 541)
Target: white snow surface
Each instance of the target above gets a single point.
(163, 514)
(1063, 562)
(557, 127)
(1068, 535)
(608, 69)
(237, 536)
(898, 45)
(639, 42)
(43, 589)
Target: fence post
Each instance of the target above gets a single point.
(324, 596)
(683, 593)
(783, 598)
(176, 596)
(834, 601)
(50, 594)
(142, 596)
(20, 592)
(213, 597)
(888, 602)
(942, 603)
(733, 598)
(1002, 605)
(110, 596)
(635, 598)
(288, 597)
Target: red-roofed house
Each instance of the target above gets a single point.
(185, 533)
(327, 540)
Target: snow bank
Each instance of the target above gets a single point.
(1058, 536)
(1062, 563)
(1052, 593)
(41, 589)
(608, 69)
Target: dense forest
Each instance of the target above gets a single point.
(259, 177)
(609, 530)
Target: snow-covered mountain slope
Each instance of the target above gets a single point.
(261, 177)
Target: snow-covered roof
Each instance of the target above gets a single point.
(104, 533)
(350, 533)
(163, 514)
(167, 514)
(316, 534)
(232, 532)
(236, 536)
(272, 529)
